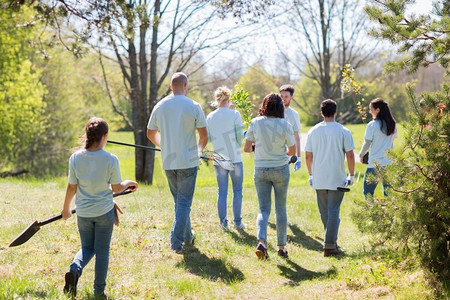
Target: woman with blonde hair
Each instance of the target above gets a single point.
(225, 131)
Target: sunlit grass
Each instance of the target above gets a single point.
(220, 265)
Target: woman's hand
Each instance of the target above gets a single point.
(66, 214)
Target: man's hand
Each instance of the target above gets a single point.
(310, 180)
(350, 180)
(297, 165)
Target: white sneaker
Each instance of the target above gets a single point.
(240, 226)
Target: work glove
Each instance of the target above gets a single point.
(310, 180)
(350, 180)
(297, 165)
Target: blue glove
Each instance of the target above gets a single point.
(310, 180)
(297, 165)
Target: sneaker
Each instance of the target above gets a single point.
(191, 241)
(102, 296)
(240, 226)
(179, 251)
(224, 226)
(71, 283)
(283, 253)
(261, 251)
(332, 252)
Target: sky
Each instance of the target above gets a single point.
(262, 46)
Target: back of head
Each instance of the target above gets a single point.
(95, 129)
(178, 82)
(384, 115)
(287, 88)
(222, 94)
(272, 106)
(328, 108)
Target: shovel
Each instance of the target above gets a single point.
(35, 226)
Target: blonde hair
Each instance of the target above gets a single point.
(221, 94)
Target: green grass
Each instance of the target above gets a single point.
(220, 265)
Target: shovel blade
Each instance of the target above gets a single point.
(26, 234)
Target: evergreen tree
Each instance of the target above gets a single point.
(416, 215)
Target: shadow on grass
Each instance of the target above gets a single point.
(213, 269)
(300, 238)
(296, 273)
(243, 237)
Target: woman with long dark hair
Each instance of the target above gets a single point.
(274, 142)
(378, 139)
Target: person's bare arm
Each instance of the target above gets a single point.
(126, 184)
(350, 162)
(298, 149)
(291, 150)
(71, 191)
(248, 146)
(309, 161)
(154, 136)
(202, 138)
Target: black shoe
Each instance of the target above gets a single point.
(71, 283)
(283, 253)
(333, 252)
(261, 251)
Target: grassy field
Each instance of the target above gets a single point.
(220, 265)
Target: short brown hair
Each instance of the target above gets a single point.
(287, 88)
(272, 106)
(328, 108)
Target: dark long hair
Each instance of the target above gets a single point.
(95, 129)
(385, 116)
(272, 106)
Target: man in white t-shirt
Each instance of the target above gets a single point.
(327, 146)
(287, 94)
(177, 117)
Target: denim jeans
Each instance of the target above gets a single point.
(182, 186)
(329, 203)
(266, 179)
(95, 235)
(370, 185)
(237, 176)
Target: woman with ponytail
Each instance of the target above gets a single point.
(378, 139)
(94, 175)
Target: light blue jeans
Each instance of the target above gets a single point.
(329, 203)
(266, 179)
(95, 235)
(182, 186)
(370, 185)
(237, 176)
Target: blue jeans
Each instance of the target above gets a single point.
(237, 176)
(182, 185)
(329, 203)
(95, 235)
(266, 179)
(370, 185)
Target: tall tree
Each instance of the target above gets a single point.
(416, 214)
(324, 36)
(150, 39)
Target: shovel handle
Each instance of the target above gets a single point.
(58, 217)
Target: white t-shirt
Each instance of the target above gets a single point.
(177, 117)
(292, 117)
(272, 136)
(381, 143)
(328, 142)
(225, 131)
(93, 172)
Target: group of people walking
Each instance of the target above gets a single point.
(273, 136)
